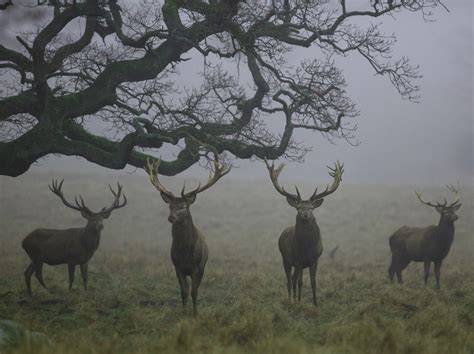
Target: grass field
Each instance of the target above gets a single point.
(134, 305)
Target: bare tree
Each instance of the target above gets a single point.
(96, 60)
(6, 4)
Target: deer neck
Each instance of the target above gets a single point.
(444, 238)
(184, 233)
(306, 229)
(445, 229)
(91, 237)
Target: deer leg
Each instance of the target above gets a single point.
(300, 282)
(391, 273)
(294, 280)
(399, 277)
(39, 274)
(196, 279)
(391, 269)
(183, 284)
(71, 268)
(28, 273)
(427, 271)
(437, 271)
(401, 265)
(312, 276)
(84, 275)
(287, 267)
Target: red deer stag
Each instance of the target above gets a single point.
(428, 244)
(72, 246)
(300, 245)
(188, 249)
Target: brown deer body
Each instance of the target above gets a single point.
(189, 250)
(428, 245)
(73, 247)
(301, 245)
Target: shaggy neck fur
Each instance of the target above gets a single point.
(183, 232)
(445, 228)
(91, 236)
(306, 230)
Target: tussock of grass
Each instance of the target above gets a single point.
(134, 304)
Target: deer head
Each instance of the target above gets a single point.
(305, 207)
(447, 212)
(179, 205)
(94, 219)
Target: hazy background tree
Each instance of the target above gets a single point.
(98, 60)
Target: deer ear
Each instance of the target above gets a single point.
(292, 202)
(457, 207)
(191, 199)
(317, 203)
(165, 197)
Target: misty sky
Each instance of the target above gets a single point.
(400, 142)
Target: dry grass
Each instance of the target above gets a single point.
(134, 305)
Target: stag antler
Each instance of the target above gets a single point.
(56, 188)
(445, 202)
(220, 170)
(274, 178)
(335, 172)
(151, 168)
(116, 203)
(418, 194)
(456, 193)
